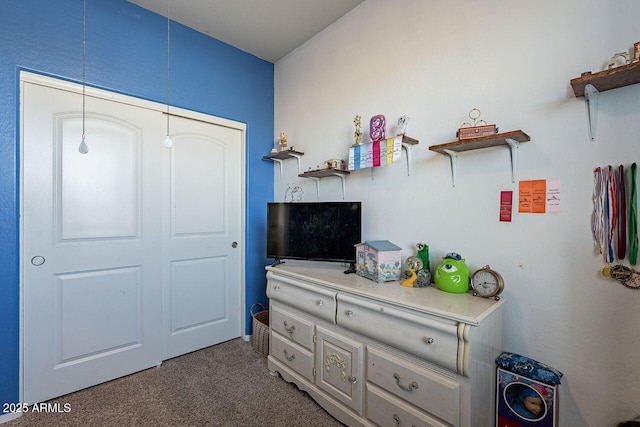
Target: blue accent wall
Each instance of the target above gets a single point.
(126, 53)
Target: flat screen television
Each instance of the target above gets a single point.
(316, 231)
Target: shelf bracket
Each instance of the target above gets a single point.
(280, 161)
(513, 148)
(453, 158)
(591, 98)
(343, 179)
(297, 157)
(317, 181)
(408, 148)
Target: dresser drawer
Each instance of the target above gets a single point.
(429, 339)
(294, 327)
(292, 355)
(426, 389)
(386, 410)
(316, 301)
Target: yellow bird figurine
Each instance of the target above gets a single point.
(410, 280)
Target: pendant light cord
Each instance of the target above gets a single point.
(84, 66)
(168, 141)
(168, 63)
(83, 145)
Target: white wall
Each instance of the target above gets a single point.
(434, 60)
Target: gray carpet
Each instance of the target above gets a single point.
(224, 385)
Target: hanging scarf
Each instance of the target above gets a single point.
(622, 213)
(597, 217)
(633, 217)
(611, 214)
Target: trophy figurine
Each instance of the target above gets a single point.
(358, 133)
(403, 121)
(283, 141)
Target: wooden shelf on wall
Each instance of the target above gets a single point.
(511, 139)
(590, 85)
(624, 75)
(283, 155)
(279, 156)
(408, 140)
(316, 175)
(321, 173)
(481, 142)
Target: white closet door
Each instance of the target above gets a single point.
(92, 245)
(203, 232)
(132, 253)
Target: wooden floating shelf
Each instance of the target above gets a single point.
(590, 85)
(321, 173)
(624, 75)
(512, 140)
(481, 142)
(279, 156)
(408, 140)
(283, 155)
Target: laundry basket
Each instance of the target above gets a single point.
(260, 335)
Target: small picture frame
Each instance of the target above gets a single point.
(636, 52)
(522, 401)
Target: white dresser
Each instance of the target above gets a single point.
(380, 353)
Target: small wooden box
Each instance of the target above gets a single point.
(378, 260)
(476, 131)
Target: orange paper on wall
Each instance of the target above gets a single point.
(525, 197)
(532, 198)
(539, 194)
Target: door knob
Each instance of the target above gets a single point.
(37, 260)
(234, 245)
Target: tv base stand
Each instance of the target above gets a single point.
(351, 269)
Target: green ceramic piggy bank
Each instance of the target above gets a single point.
(452, 275)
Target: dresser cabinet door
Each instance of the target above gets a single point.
(340, 368)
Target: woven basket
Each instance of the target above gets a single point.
(260, 335)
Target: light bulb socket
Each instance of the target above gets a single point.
(168, 142)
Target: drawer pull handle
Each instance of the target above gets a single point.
(276, 288)
(290, 330)
(348, 313)
(428, 340)
(353, 379)
(412, 386)
(396, 418)
(320, 302)
(286, 356)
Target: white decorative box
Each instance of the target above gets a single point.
(378, 260)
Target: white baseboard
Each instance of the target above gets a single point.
(246, 337)
(10, 417)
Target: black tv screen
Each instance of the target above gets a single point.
(318, 231)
